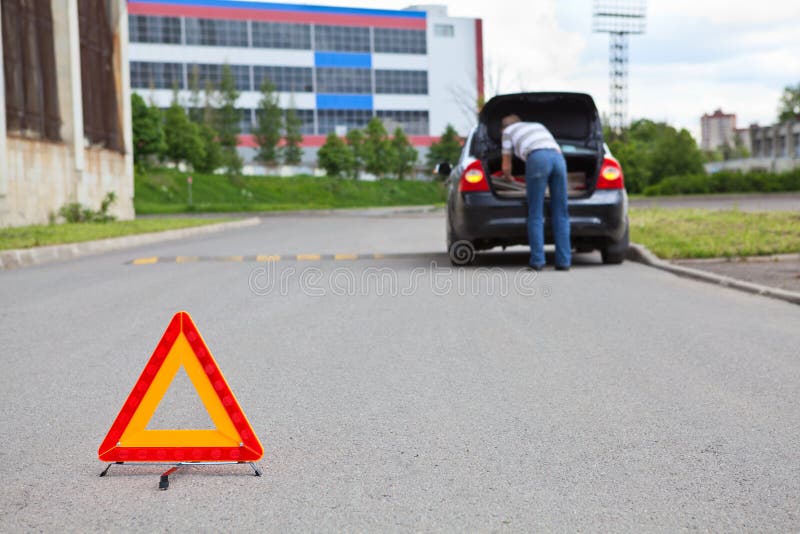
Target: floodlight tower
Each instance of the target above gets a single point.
(618, 18)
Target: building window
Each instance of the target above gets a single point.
(286, 79)
(146, 75)
(306, 120)
(31, 92)
(145, 29)
(245, 120)
(99, 89)
(411, 122)
(329, 119)
(401, 82)
(797, 144)
(212, 74)
(344, 80)
(280, 35)
(782, 146)
(212, 32)
(341, 38)
(393, 41)
(756, 147)
(444, 30)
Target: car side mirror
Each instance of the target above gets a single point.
(443, 169)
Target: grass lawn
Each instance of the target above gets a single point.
(56, 234)
(698, 233)
(165, 191)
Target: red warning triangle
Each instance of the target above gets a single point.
(129, 440)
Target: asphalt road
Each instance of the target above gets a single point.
(603, 399)
(741, 201)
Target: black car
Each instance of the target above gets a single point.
(482, 212)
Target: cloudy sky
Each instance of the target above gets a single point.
(697, 55)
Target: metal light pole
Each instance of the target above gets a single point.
(618, 18)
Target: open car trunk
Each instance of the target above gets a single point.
(573, 120)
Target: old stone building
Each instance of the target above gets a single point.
(65, 116)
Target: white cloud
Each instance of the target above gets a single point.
(727, 11)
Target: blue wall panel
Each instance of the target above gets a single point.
(344, 101)
(342, 59)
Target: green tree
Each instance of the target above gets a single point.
(227, 121)
(212, 159)
(739, 149)
(355, 142)
(148, 130)
(292, 153)
(405, 154)
(379, 154)
(649, 152)
(447, 149)
(335, 157)
(210, 103)
(183, 141)
(195, 109)
(789, 106)
(268, 130)
(201, 113)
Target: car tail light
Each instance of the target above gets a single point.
(610, 175)
(473, 178)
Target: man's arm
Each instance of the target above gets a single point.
(508, 151)
(507, 167)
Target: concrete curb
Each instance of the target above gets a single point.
(11, 259)
(640, 254)
(367, 212)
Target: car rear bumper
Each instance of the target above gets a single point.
(483, 217)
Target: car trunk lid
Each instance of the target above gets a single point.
(573, 120)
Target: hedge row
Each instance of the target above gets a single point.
(727, 182)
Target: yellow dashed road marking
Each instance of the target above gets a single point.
(268, 258)
(261, 258)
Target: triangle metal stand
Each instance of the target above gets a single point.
(163, 482)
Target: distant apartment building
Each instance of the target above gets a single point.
(717, 130)
(64, 108)
(414, 68)
(773, 148)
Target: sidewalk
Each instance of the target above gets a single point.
(771, 276)
(782, 271)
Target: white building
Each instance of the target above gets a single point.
(416, 68)
(717, 130)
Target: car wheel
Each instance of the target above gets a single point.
(461, 252)
(614, 252)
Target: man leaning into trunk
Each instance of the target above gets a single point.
(544, 165)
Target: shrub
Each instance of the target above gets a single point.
(727, 182)
(75, 212)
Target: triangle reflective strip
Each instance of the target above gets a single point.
(233, 439)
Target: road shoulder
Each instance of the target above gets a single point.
(15, 258)
(750, 275)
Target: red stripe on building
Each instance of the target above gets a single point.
(316, 141)
(300, 17)
(479, 57)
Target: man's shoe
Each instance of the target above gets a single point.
(562, 267)
(535, 267)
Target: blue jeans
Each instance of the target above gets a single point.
(547, 167)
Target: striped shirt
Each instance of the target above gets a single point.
(522, 138)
